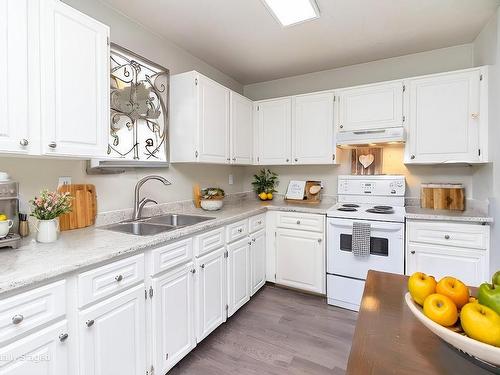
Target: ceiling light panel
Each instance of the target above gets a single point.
(291, 12)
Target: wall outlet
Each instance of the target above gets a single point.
(231, 179)
(64, 180)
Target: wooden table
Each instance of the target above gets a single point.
(389, 340)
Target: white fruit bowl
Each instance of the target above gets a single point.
(474, 348)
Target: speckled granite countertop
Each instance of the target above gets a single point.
(469, 215)
(81, 249)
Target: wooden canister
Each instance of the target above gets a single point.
(443, 196)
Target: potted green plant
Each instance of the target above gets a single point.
(264, 184)
(212, 198)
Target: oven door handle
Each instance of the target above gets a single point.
(378, 226)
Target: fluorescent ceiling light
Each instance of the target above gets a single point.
(291, 12)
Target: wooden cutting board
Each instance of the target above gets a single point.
(84, 206)
(443, 196)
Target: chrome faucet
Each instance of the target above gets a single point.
(139, 204)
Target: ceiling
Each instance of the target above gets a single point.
(242, 39)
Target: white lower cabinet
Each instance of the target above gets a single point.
(173, 330)
(443, 249)
(210, 292)
(238, 271)
(42, 353)
(257, 261)
(300, 260)
(470, 266)
(113, 335)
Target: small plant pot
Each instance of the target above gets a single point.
(212, 204)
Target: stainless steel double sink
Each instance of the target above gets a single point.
(156, 224)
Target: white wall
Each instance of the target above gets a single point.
(440, 60)
(487, 180)
(445, 59)
(116, 192)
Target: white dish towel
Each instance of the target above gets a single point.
(361, 239)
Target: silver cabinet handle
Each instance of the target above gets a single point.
(298, 221)
(203, 265)
(52, 144)
(90, 323)
(287, 160)
(446, 236)
(16, 319)
(234, 159)
(253, 240)
(412, 252)
(412, 157)
(63, 337)
(259, 222)
(24, 142)
(119, 278)
(240, 230)
(475, 116)
(249, 242)
(296, 159)
(341, 126)
(193, 270)
(228, 159)
(320, 240)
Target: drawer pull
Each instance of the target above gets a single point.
(259, 222)
(63, 337)
(193, 270)
(446, 236)
(320, 240)
(240, 230)
(253, 240)
(412, 252)
(202, 266)
(119, 278)
(16, 319)
(90, 323)
(298, 221)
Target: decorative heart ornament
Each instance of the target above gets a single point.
(366, 160)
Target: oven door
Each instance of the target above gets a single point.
(386, 249)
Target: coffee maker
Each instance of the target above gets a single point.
(9, 205)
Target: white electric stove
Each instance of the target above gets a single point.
(378, 201)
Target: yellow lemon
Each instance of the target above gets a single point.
(3, 217)
(269, 196)
(263, 196)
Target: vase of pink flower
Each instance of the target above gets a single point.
(47, 208)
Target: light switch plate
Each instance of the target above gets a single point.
(231, 179)
(64, 180)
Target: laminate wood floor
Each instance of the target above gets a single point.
(278, 332)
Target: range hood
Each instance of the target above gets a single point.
(115, 166)
(372, 136)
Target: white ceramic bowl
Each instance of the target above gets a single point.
(482, 351)
(212, 204)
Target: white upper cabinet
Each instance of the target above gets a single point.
(74, 82)
(312, 129)
(369, 107)
(14, 23)
(446, 116)
(241, 129)
(274, 128)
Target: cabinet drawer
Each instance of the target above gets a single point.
(309, 222)
(26, 311)
(209, 241)
(449, 234)
(111, 278)
(257, 223)
(236, 230)
(171, 255)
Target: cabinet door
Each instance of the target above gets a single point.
(173, 317)
(241, 120)
(376, 106)
(14, 76)
(210, 292)
(113, 335)
(47, 348)
(300, 260)
(258, 260)
(312, 130)
(274, 131)
(213, 121)
(444, 118)
(470, 266)
(75, 82)
(238, 288)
